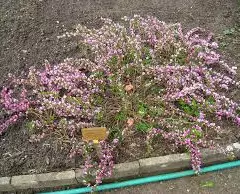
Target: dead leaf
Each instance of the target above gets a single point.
(128, 87)
(130, 122)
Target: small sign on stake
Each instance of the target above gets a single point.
(94, 134)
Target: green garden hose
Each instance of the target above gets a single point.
(150, 179)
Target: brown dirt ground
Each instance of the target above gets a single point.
(28, 36)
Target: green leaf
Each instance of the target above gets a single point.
(63, 122)
(147, 58)
(156, 111)
(115, 89)
(181, 58)
(115, 132)
(143, 127)
(238, 111)
(142, 109)
(99, 116)
(147, 61)
(30, 125)
(99, 74)
(211, 100)
(194, 103)
(121, 116)
(99, 100)
(113, 60)
(223, 44)
(197, 133)
(191, 109)
(130, 71)
(155, 89)
(208, 184)
(129, 57)
(230, 31)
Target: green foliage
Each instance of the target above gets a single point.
(113, 60)
(142, 109)
(115, 132)
(191, 109)
(210, 100)
(229, 31)
(181, 58)
(130, 71)
(223, 44)
(155, 89)
(198, 134)
(63, 122)
(99, 74)
(208, 184)
(231, 156)
(147, 57)
(98, 99)
(156, 111)
(30, 125)
(99, 116)
(238, 111)
(50, 118)
(229, 37)
(121, 116)
(116, 90)
(75, 100)
(129, 57)
(143, 126)
(49, 93)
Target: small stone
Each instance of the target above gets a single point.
(129, 87)
(229, 148)
(133, 145)
(130, 122)
(236, 145)
(47, 161)
(31, 171)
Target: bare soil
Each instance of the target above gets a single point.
(28, 36)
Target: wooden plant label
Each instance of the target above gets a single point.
(94, 134)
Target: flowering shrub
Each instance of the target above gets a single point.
(146, 76)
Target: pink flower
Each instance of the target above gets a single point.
(238, 121)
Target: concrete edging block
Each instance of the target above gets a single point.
(121, 171)
(147, 166)
(24, 181)
(54, 179)
(5, 184)
(125, 171)
(79, 175)
(163, 164)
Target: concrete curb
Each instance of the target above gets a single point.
(123, 171)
